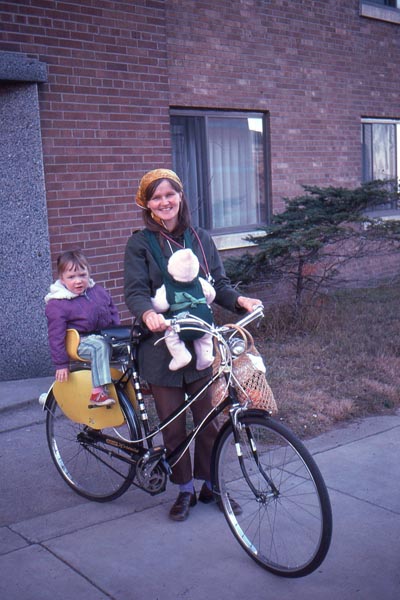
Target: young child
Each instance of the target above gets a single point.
(76, 302)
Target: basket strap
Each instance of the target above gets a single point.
(246, 335)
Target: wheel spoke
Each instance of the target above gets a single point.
(87, 465)
(285, 524)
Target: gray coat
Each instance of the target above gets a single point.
(143, 277)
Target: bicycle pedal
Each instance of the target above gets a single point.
(154, 453)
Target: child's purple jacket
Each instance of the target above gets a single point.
(87, 313)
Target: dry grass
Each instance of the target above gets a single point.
(340, 362)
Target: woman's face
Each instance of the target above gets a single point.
(165, 203)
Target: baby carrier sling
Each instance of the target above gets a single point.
(181, 296)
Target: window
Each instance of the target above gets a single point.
(393, 3)
(381, 152)
(382, 10)
(220, 157)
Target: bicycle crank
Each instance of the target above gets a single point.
(152, 471)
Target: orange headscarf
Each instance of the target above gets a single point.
(151, 176)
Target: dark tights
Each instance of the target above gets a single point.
(167, 399)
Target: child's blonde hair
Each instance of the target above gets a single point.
(75, 258)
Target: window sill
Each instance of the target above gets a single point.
(384, 215)
(381, 13)
(231, 241)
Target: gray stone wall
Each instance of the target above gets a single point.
(25, 270)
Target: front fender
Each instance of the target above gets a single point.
(228, 425)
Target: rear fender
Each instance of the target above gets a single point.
(73, 395)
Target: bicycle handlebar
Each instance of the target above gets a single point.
(186, 320)
(256, 313)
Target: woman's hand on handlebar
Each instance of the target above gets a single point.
(248, 304)
(155, 322)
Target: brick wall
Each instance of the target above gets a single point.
(115, 67)
(104, 116)
(317, 67)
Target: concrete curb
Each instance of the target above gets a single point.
(22, 392)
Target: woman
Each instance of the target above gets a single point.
(166, 217)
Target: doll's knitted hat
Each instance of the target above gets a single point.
(183, 265)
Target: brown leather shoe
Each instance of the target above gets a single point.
(206, 496)
(180, 510)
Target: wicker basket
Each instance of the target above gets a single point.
(248, 377)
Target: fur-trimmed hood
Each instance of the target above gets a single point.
(58, 291)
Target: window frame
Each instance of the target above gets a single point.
(380, 12)
(392, 210)
(229, 237)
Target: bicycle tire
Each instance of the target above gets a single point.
(286, 519)
(85, 467)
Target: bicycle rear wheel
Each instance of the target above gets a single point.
(82, 458)
(286, 519)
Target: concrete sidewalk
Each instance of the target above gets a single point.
(129, 549)
(22, 392)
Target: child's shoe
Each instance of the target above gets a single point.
(101, 399)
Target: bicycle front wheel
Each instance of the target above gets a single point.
(286, 519)
(90, 467)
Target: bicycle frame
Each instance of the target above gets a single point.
(188, 322)
(143, 451)
(135, 449)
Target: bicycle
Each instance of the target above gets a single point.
(286, 520)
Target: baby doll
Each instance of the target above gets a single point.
(183, 291)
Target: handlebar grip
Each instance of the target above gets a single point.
(258, 311)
